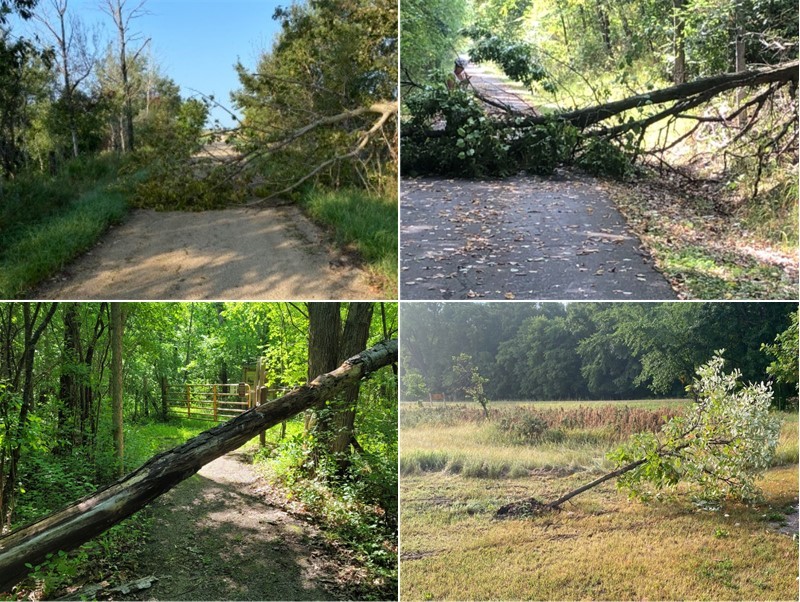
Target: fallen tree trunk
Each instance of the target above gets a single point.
(686, 96)
(90, 516)
(706, 86)
(514, 507)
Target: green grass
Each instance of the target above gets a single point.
(601, 546)
(365, 223)
(46, 222)
(714, 275)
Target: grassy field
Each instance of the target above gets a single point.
(457, 469)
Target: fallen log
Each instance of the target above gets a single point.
(687, 95)
(707, 87)
(93, 514)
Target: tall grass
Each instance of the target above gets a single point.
(366, 223)
(47, 221)
(516, 441)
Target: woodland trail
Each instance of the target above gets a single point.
(519, 238)
(269, 253)
(216, 536)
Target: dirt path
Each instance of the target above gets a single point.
(216, 538)
(271, 253)
(520, 238)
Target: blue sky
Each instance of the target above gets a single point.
(197, 42)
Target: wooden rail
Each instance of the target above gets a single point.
(212, 402)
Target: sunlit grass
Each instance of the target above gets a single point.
(366, 223)
(602, 546)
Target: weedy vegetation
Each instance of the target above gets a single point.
(458, 468)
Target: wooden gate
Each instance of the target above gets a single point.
(213, 402)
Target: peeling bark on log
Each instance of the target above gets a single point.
(90, 516)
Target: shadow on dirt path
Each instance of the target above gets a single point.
(271, 253)
(520, 238)
(215, 538)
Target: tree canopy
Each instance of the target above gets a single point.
(546, 351)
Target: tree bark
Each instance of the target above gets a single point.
(678, 43)
(356, 333)
(90, 516)
(324, 337)
(117, 325)
(708, 87)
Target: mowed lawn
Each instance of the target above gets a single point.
(455, 474)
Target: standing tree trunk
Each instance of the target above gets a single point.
(356, 333)
(117, 325)
(14, 439)
(678, 43)
(122, 20)
(324, 334)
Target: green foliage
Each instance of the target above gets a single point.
(176, 186)
(430, 31)
(603, 158)
(353, 49)
(517, 59)
(56, 571)
(45, 222)
(785, 351)
(549, 351)
(365, 222)
(720, 446)
(467, 380)
(472, 145)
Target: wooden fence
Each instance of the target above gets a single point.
(213, 402)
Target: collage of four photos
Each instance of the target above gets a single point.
(399, 300)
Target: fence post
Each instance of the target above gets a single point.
(214, 396)
(188, 401)
(262, 397)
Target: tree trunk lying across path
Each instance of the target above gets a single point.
(686, 96)
(705, 87)
(90, 516)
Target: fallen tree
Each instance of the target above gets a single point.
(721, 445)
(451, 132)
(93, 514)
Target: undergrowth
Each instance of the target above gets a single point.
(47, 221)
(55, 480)
(516, 441)
(356, 507)
(366, 223)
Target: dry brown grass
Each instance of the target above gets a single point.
(601, 546)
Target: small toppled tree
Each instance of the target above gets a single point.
(720, 446)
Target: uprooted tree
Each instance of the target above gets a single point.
(91, 515)
(720, 446)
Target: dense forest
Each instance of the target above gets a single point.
(90, 391)
(690, 103)
(91, 125)
(549, 351)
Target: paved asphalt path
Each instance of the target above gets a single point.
(520, 238)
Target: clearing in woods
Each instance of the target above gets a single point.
(219, 536)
